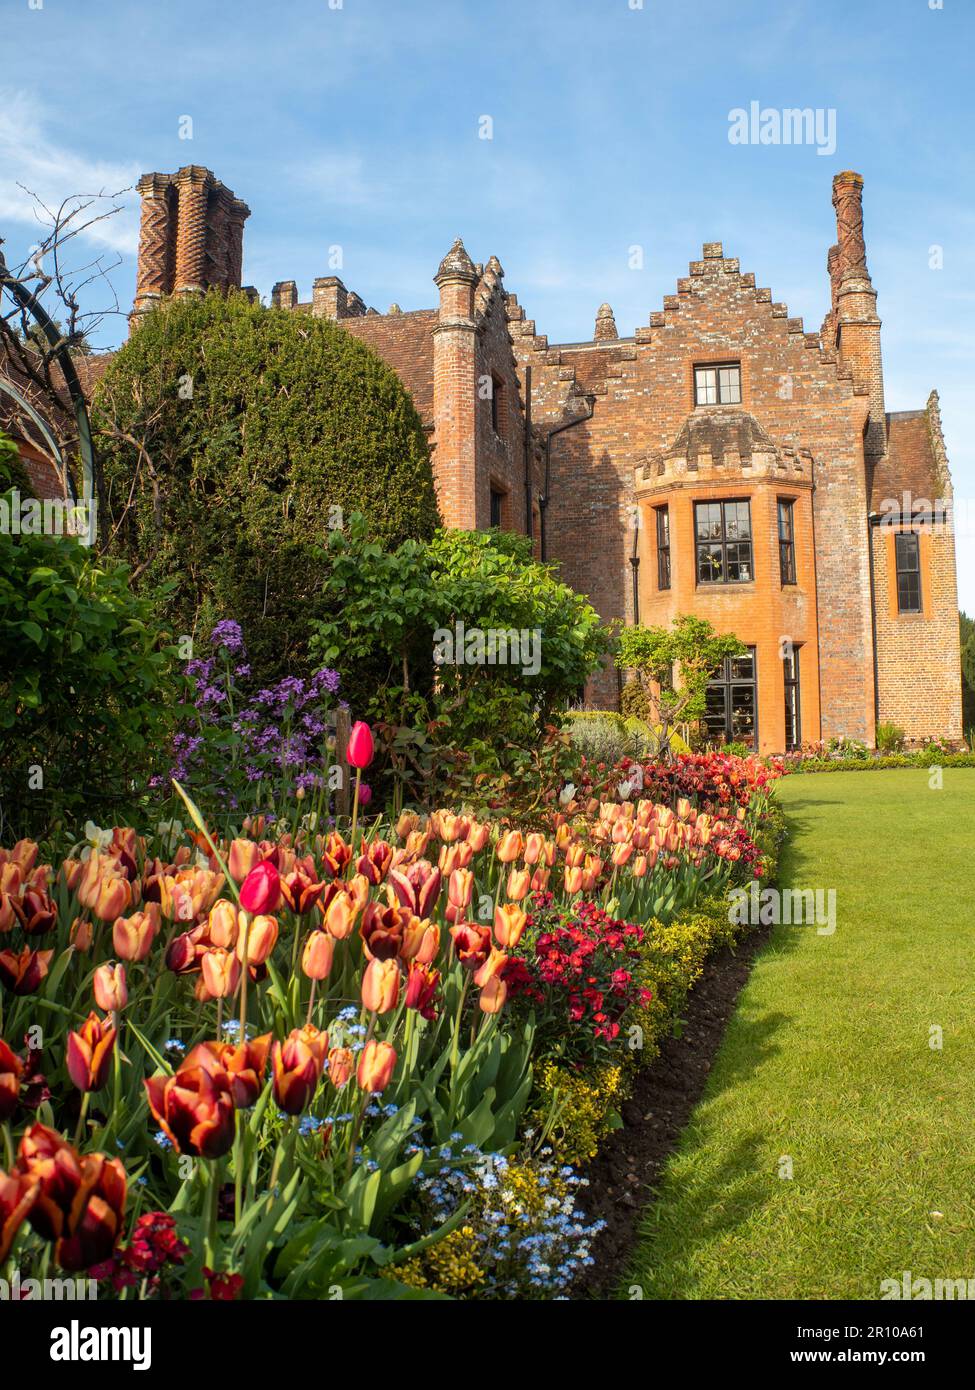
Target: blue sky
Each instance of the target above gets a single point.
(357, 125)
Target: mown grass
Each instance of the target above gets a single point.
(827, 1063)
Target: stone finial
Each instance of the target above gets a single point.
(605, 324)
(456, 265)
(496, 267)
(394, 309)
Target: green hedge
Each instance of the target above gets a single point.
(232, 437)
(881, 764)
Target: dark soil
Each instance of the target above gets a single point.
(627, 1169)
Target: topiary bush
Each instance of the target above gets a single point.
(233, 438)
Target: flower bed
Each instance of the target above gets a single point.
(359, 1062)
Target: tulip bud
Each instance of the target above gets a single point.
(360, 750)
(244, 856)
(132, 937)
(222, 924)
(111, 990)
(376, 1064)
(510, 846)
(519, 882)
(81, 934)
(317, 956)
(380, 986)
(340, 915)
(494, 964)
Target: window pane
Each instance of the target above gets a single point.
(663, 526)
(715, 712)
(738, 524)
(907, 550)
(739, 562)
(743, 713)
(729, 382)
(708, 515)
(742, 668)
(709, 567)
(785, 521)
(909, 593)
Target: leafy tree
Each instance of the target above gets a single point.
(233, 438)
(674, 665)
(404, 629)
(967, 672)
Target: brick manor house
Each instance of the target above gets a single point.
(721, 461)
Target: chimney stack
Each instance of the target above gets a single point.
(852, 326)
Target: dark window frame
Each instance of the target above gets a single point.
(498, 496)
(907, 577)
(790, 674)
(721, 542)
(730, 682)
(785, 509)
(719, 389)
(663, 546)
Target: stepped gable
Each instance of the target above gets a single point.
(916, 461)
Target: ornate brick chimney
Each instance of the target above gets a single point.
(455, 400)
(605, 325)
(191, 238)
(852, 326)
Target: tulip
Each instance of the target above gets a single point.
(519, 883)
(244, 855)
(460, 890)
(260, 940)
(472, 943)
(17, 1193)
(493, 965)
(11, 1071)
(244, 1065)
(421, 987)
(195, 1107)
(300, 891)
(448, 826)
(36, 912)
(421, 941)
(132, 937)
(7, 914)
(79, 1200)
(316, 958)
(540, 880)
(639, 869)
(382, 930)
(492, 996)
(376, 1064)
(380, 986)
(341, 1064)
(364, 793)
(416, 887)
(375, 862)
(335, 855)
(621, 855)
(222, 924)
(221, 972)
(111, 990)
(340, 914)
(509, 923)
(573, 881)
(184, 952)
(89, 1053)
(23, 973)
(81, 935)
(261, 890)
(296, 1068)
(360, 750)
(478, 836)
(510, 846)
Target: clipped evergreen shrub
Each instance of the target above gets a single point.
(233, 438)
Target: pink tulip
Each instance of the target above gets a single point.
(359, 753)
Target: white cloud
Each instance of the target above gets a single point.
(32, 159)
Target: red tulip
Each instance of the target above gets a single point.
(79, 1200)
(296, 1065)
(382, 931)
(421, 988)
(23, 973)
(89, 1053)
(11, 1071)
(36, 911)
(195, 1108)
(17, 1193)
(360, 751)
(261, 889)
(416, 887)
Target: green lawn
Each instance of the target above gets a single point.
(827, 1062)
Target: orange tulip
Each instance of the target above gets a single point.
(478, 836)
(460, 889)
(79, 1200)
(510, 846)
(340, 915)
(341, 1064)
(495, 963)
(81, 935)
(421, 941)
(111, 990)
(18, 1192)
(89, 1053)
(540, 880)
(195, 1107)
(380, 986)
(573, 881)
(376, 1064)
(317, 956)
(509, 923)
(519, 883)
(221, 972)
(132, 937)
(244, 1064)
(421, 988)
(243, 856)
(261, 939)
(492, 996)
(23, 973)
(223, 924)
(296, 1066)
